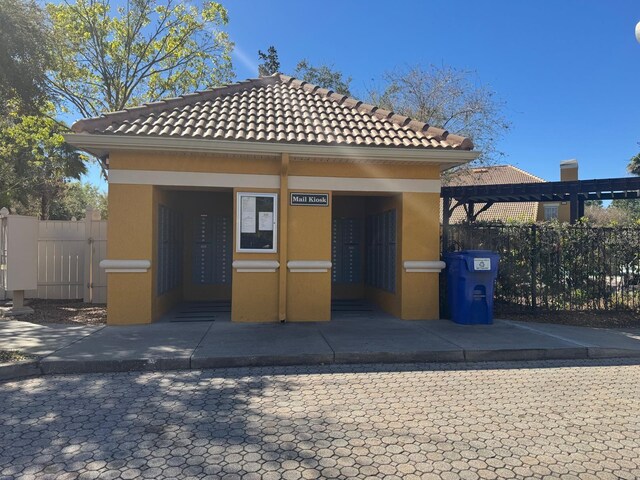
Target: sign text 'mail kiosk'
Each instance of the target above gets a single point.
(274, 195)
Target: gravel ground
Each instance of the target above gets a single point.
(579, 319)
(65, 311)
(9, 356)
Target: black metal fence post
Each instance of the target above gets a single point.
(534, 266)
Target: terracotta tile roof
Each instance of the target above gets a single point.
(495, 175)
(277, 108)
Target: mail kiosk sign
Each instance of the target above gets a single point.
(310, 199)
(482, 264)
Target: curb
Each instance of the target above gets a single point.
(21, 369)
(30, 368)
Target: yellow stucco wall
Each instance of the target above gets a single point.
(191, 162)
(309, 238)
(420, 241)
(363, 170)
(130, 237)
(255, 295)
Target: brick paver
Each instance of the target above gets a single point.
(484, 421)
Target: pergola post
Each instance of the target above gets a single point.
(573, 208)
(446, 218)
(470, 211)
(580, 208)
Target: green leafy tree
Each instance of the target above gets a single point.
(631, 206)
(324, 76)
(74, 200)
(270, 63)
(110, 57)
(36, 163)
(448, 98)
(634, 165)
(25, 56)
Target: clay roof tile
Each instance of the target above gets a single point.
(271, 109)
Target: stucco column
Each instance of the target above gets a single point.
(309, 262)
(284, 236)
(420, 242)
(130, 238)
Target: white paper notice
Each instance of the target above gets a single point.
(248, 215)
(265, 221)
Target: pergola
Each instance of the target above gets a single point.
(574, 192)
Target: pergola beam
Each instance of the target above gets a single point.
(575, 192)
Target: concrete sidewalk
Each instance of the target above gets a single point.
(378, 338)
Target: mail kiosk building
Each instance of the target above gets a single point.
(275, 195)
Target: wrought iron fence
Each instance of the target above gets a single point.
(557, 267)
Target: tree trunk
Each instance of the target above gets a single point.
(44, 205)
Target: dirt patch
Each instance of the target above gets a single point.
(11, 356)
(65, 311)
(580, 319)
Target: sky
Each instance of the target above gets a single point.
(568, 71)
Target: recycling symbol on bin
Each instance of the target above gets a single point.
(482, 264)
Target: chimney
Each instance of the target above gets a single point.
(568, 172)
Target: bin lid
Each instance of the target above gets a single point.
(475, 260)
(478, 253)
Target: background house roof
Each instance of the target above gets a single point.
(277, 108)
(495, 175)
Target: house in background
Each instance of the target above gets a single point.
(511, 211)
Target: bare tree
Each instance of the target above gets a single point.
(448, 98)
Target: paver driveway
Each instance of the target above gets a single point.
(500, 420)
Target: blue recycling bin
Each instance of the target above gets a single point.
(471, 275)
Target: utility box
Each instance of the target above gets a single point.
(471, 275)
(21, 245)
